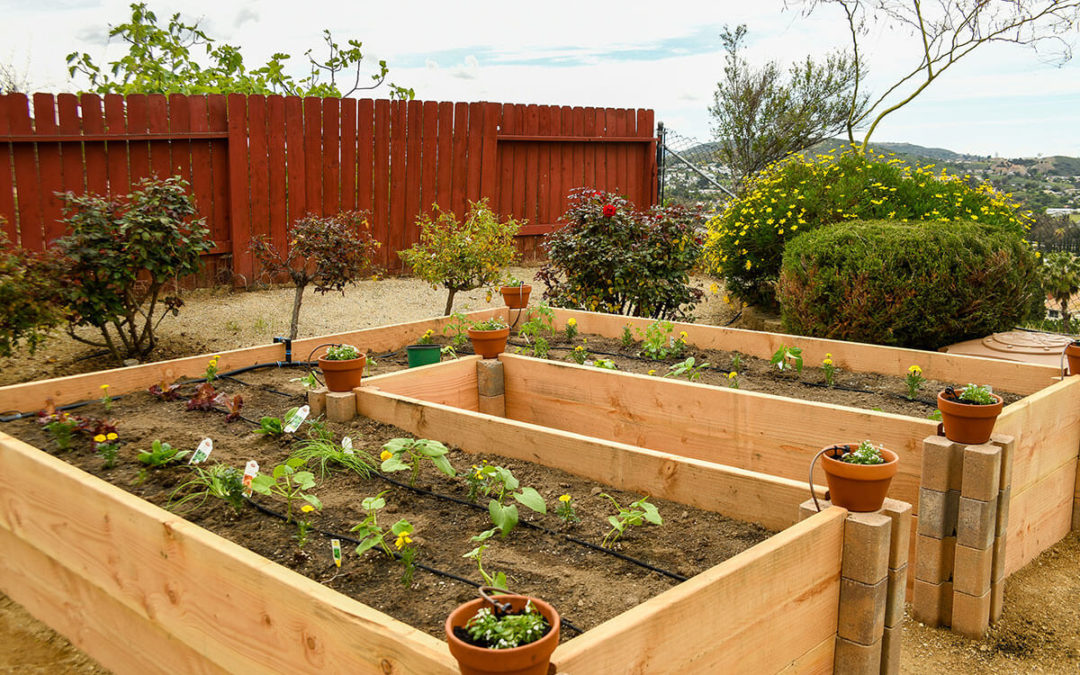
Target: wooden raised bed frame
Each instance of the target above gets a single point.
(97, 563)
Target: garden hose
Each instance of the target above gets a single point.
(813, 495)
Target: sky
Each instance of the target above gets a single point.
(1004, 100)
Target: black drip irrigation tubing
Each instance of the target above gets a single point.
(397, 556)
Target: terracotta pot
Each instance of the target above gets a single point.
(516, 297)
(967, 422)
(343, 375)
(859, 487)
(530, 659)
(489, 343)
(1072, 353)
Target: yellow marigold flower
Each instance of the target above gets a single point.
(112, 436)
(402, 539)
(732, 375)
(104, 387)
(827, 362)
(571, 321)
(307, 508)
(100, 438)
(714, 289)
(748, 264)
(682, 334)
(915, 369)
(652, 371)
(386, 454)
(564, 498)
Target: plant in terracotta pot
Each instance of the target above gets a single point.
(1072, 354)
(515, 293)
(489, 337)
(968, 415)
(343, 367)
(858, 474)
(506, 634)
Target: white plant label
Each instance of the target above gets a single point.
(250, 471)
(202, 452)
(346, 446)
(298, 417)
(335, 549)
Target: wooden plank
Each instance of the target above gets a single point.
(313, 156)
(71, 154)
(221, 224)
(474, 158)
(461, 143)
(734, 492)
(28, 194)
(578, 179)
(50, 168)
(566, 167)
(398, 171)
(116, 125)
(647, 164)
(531, 124)
(7, 180)
(606, 126)
(543, 166)
(138, 150)
(593, 154)
(445, 171)
(778, 598)
(521, 163)
(381, 209)
(93, 122)
(430, 156)
(816, 661)
(348, 154)
(365, 121)
(191, 582)
(179, 121)
(278, 187)
(1012, 376)
(623, 128)
(489, 158)
(331, 158)
(414, 140)
(157, 122)
(294, 155)
(632, 157)
(505, 204)
(89, 617)
(239, 189)
(1047, 431)
(202, 173)
(1040, 516)
(452, 383)
(751, 430)
(258, 186)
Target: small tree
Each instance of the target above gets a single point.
(111, 269)
(324, 252)
(462, 255)
(1061, 281)
(26, 314)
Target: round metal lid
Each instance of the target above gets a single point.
(1025, 342)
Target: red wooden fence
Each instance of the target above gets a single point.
(257, 163)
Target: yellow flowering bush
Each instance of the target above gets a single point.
(746, 242)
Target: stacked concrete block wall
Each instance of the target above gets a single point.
(490, 387)
(873, 579)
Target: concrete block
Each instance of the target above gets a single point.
(997, 600)
(971, 614)
(316, 400)
(982, 472)
(489, 377)
(340, 406)
(861, 616)
(900, 534)
(866, 547)
(932, 603)
(807, 508)
(938, 512)
(1004, 499)
(894, 600)
(976, 523)
(493, 405)
(852, 658)
(998, 571)
(972, 570)
(942, 464)
(1008, 453)
(891, 642)
(934, 559)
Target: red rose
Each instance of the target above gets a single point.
(609, 210)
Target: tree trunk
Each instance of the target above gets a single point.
(450, 302)
(298, 297)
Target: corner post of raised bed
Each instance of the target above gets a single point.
(963, 520)
(873, 579)
(491, 387)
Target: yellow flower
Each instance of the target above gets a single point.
(915, 369)
(486, 299)
(386, 454)
(104, 387)
(732, 375)
(112, 436)
(571, 322)
(100, 438)
(402, 539)
(827, 362)
(652, 371)
(564, 498)
(828, 355)
(307, 508)
(682, 335)
(714, 289)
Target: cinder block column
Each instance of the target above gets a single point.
(340, 406)
(490, 387)
(1007, 444)
(899, 513)
(316, 400)
(939, 507)
(975, 536)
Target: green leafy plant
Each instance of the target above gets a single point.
(212, 369)
(271, 426)
(161, 455)
(830, 369)
(303, 527)
(935, 415)
(325, 252)
(341, 353)
(658, 343)
(287, 482)
(372, 535)
(458, 329)
(866, 453)
(687, 369)
(448, 351)
(308, 381)
(402, 454)
(107, 445)
(605, 364)
(565, 510)
(220, 481)
(786, 358)
(977, 395)
(500, 483)
(914, 381)
(733, 379)
(427, 338)
(736, 362)
(462, 255)
(61, 426)
(579, 355)
(498, 580)
(627, 337)
(541, 321)
(571, 329)
(493, 323)
(27, 308)
(507, 631)
(613, 257)
(637, 513)
(1060, 273)
(106, 400)
(329, 454)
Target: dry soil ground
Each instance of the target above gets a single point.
(1039, 632)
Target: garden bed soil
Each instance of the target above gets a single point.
(587, 587)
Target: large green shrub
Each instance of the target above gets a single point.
(746, 242)
(26, 313)
(920, 285)
(614, 258)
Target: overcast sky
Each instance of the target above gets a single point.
(1004, 99)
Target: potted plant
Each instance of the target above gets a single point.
(858, 474)
(506, 634)
(968, 414)
(425, 351)
(515, 293)
(1072, 353)
(489, 337)
(343, 367)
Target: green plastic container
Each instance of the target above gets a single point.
(423, 355)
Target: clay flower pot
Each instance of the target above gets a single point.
(968, 422)
(343, 375)
(489, 343)
(530, 659)
(858, 487)
(1072, 353)
(516, 297)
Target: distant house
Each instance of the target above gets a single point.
(1061, 212)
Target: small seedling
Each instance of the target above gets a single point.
(372, 535)
(637, 513)
(401, 454)
(218, 480)
(498, 580)
(271, 426)
(286, 482)
(565, 510)
(829, 369)
(627, 337)
(62, 426)
(106, 400)
(458, 329)
(914, 381)
(658, 343)
(303, 527)
(308, 381)
(578, 355)
(935, 415)
(161, 455)
(449, 352)
(786, 358)
(733, 379)
(687, 369)
(605, 364)
(165, 391)
(571, 329)
(329, 454)
(212, 369)
(736, 362)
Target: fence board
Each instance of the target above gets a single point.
(179, 122)
(296, 206)
(26, 176)
(219, 161)
(445, 171)
(398, 139)
(202, 179)
(117, 151)
(543, 167)
(461, 140)
(348, 154)
(647, 163)
(474, 155)
(93, 122)
(428, 173)
(50, 173)
(239, 213)
(578, 157)
(7, 181)
(414, 139)
(137, 124)
(489, 158)
(381, 208)
(157, 122)
(275, 130)
(331, 160)
(71, 154)
(521, 165)
(313, 155)
(365, 134)
(258, 180)
(591, 150)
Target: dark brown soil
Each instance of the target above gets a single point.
(587, 586)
